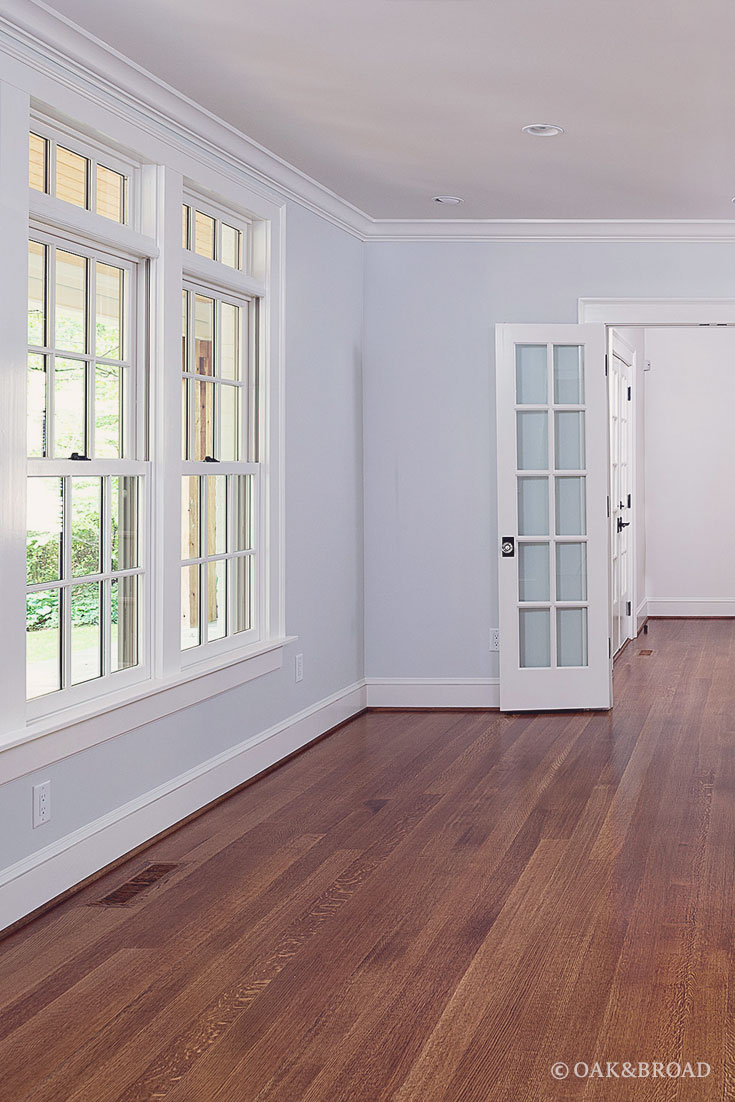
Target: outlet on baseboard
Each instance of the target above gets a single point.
(299, 667)
(494, 638)
(41, 803)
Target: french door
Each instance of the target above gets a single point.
(553, 468)
(621, 360)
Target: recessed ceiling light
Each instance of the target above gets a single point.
(450, 200)
(543, 130)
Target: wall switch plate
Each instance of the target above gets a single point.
(494, 638)
(299, 667)
(41, 803)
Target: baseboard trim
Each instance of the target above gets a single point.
(39, 880)
(676, 607)
(429, 692)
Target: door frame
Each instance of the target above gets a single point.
(615, 337)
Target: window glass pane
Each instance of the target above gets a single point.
(571, 571)
(189, 607)
(71, 177)
(533, 506)
(186, 386)
(110, 194)
(110, 297)
(533, 572)
(571, 636)
(71, 302)
(44, 510)
(230, 246)
(242, 569)
(36, 426)
(531, 375)
(203, 335)
(43, 643)
(571, 519)
(36, 293)
(86, 638)
(217, 514)
(185, 226)
(69, 408)
(124, 623)
(229, 341)
(37, 161)
(533, 447)
(229, 443)
(108, 439)
(203, 420)
(569, 374)
(242, 534)
(569, 441)
(534, 638)
(184, 329)
(216, 600)
(86, 526)
(124, 518)
(190, 545)
(204, 234)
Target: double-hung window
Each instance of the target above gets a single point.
(87, 500)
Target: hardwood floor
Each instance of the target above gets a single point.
(425, 906)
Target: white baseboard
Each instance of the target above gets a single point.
(690, 606)
(47, 873)
(430, 692)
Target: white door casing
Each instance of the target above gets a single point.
(553, 471)
(621, 361)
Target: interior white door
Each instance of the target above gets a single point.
(553, 470)
(621, 360)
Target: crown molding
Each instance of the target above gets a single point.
(44, 40)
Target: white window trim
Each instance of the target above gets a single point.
(160, 188)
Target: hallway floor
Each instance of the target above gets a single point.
(430, 906)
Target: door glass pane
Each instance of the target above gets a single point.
(36, 426)
(569, 441)
(203, 335)
(533, 506)
(71, 177)
(190, 546)
(216, 600)
(43, 643)
(533, 441)
(203, 420)
(36, 293)
(229, 333)
(531, 375)
(571, 636)
(124, 513)
(37, 162)
(124, 623)
(569, 374)
(44, 511)
(571, 571)
(533, 572)
(71, 302)
(110, 288)
(217, 514)
(110, 194)
(204, 234)
(571, 517)
(189, 607)
(69, 408)
(108, 422)
(229, 444)
(86, 526)
(230, 246)
(240, 488)
(86, 649)
(241, 578)
(534, 637)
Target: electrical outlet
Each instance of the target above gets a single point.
(299, 667)
(41, 803)
(494, 638)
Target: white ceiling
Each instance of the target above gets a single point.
(389, 102)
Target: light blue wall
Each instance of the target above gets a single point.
(324, 554)
(430, 500)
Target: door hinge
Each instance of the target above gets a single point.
(606, 363)
(630, 501)
(630, 392)
(628, 608)
(608, 506)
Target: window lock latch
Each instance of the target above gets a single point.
(76, 455)
(210, 459)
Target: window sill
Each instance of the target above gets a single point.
(71, 730)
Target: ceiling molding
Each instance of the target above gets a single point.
(43, 39)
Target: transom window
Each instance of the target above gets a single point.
(210, 235)
(76, 178)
